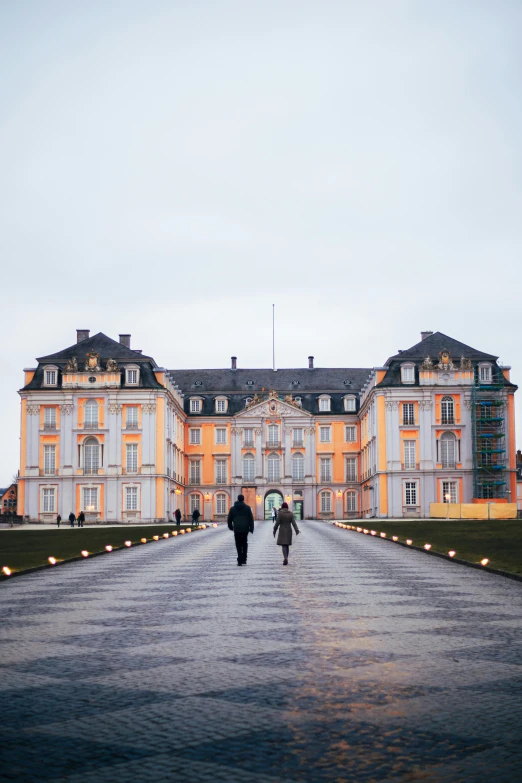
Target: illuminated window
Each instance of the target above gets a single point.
(90, 498)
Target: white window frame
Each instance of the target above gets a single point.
(48, 500)
(407, 408)
(91, 422)
(132, 496)
(221, 471)
(408, 373)
(221, 503)
(450, 488)
(350, 433)
(194, 472)
(351, 501)
(447, 410)
(248, 437)
(50, 375)
(132, 375)
(85, 505)
(131, 457)
(485, 373)
(194, 502)
(444, 450)
(195, 404)
(248, 475)
(325, 468)
(221, 405)
(411, 494)
(298, 437)
(49, 417)
(350, 467)
(49, 466)
(410, 454)
(271, 441)
(326, 502)
(350, 403)
(194, 436)
(325, 403)
(273, 461)
(131, 417)
(94, 464)
(221, 436)
(325, 433)
(297, 466)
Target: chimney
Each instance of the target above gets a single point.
(310, 362)
(234, 362)
(125, 340)
(82, 334)
(425, 334)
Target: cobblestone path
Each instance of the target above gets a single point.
(359, 662)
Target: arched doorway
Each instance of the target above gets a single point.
(272, 498)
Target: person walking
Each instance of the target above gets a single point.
(58, 520)
(241, 521)
(285, 521)
(72, 518)
(274, 513)
(81, 519)
(195, 517)
(177, 514)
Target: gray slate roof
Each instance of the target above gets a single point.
(438, 342)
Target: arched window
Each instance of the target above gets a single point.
(298, 466)
(448, 450)
(221, 504)
(326, 502)
(273, 467)
(249, 467)
(447, 410)
(91, 415)
(351, 501)
(91, 456)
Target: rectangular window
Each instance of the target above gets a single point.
(350, 434)
(48, 500)
(132, 377)
(221, 406)
(325, 434)
(221, 436)
(485, 374)
(90, 498)
(221, 504)
(324, 404)
(326, 469)
(273, 436)
(326, 502)
(50, 377)
(131, 421)
(221, 471)
(132, 457)
(195, 471)
(410, 493)
(194, 437)
(49, 460)
(195, 406)
(248, 469)
(273, 469)
(408, 374)
(351, 469)
(194, 503)
(298, 468)
(49, 418)
(131, 498)
(408, 413)
(351, 501)
(349, 404)
(410, 454)
(298, 437)
(248, 437)
(449, 492)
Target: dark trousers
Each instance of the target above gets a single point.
(241, 546)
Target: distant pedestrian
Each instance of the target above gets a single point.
(195, 517)
(177, 514)
(72, 518)
(81, 519)
(285, 521)
(58, 520)
(274, 513)
(241, 521)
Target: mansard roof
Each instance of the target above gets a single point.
(437, 342)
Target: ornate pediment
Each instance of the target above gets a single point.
(273, 406)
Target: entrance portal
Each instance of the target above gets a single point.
(272, 498)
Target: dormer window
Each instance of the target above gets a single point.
(250, 383)
(295, 383)
(221, 404)
(349, 403)
(195, 405)
(132, 375)
(50, 376)
(408, 373)
(324, 403)
(484, 371)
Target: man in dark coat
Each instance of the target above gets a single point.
(58, 520)
(195, 517)
(81, 519)
(241, 521)
(72, 518)
(177, 514)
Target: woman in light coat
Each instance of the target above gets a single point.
(285, 521)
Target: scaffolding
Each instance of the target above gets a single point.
(488, 413)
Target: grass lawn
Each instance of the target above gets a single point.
(21, 549)
(500, 541)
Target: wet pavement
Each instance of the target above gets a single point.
(360, 661)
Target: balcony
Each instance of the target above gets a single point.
(48, 472)
(298, 444)
(273, 444)
(194, 482)
(91, 425)
(248, 444)
(90, 471)
(131, 425)
(221, 480)
(49, 425)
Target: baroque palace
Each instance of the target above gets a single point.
(105, 430)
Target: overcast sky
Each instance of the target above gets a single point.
(171, 169)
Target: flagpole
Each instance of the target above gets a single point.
(273, 336)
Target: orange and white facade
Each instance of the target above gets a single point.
(107, 431)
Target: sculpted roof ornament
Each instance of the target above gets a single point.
(93, 362)
(72, 364)
(427, 364)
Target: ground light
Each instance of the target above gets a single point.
(108, 548)
(182, 532)
(156, 538)
(52, 560)
(395, 538)
(6, 570)
(409, 541)
(84, 553)
(128, 543)
(484, 561)
(383, 535)
(143, 540)
(427, 547)
(451, 553)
